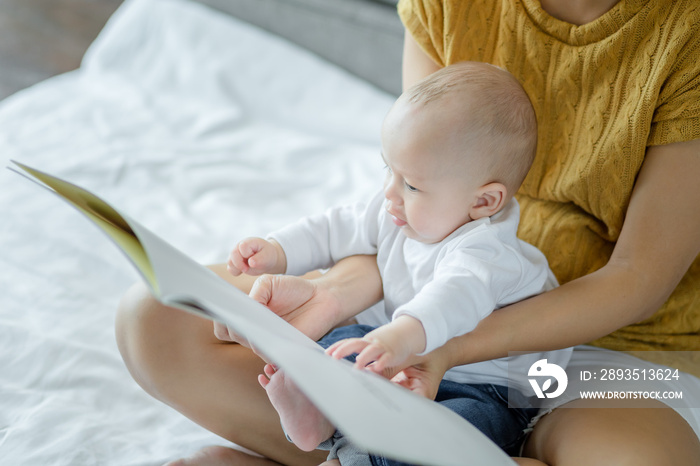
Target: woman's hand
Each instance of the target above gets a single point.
(425, 375)
(302, 302)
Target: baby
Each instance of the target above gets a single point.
(457, 146)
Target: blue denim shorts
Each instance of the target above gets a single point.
(483, 405)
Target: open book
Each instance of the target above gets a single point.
(372, 412)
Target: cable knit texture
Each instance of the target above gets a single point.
(602, 92)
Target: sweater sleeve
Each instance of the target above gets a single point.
(424, 21)
(320, 241)
(677, 113)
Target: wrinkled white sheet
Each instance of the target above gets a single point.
(205, 130)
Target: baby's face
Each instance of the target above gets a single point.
(428, 184)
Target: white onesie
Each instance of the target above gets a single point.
(448, 286)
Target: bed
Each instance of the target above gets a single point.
(204, 128)
(205, 121)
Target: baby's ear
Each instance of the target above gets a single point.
(490, 199)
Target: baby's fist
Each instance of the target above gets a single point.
(256, 256)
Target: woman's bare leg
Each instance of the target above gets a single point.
(528, 462)
(216, 455)
(586, 432)
(176, 358)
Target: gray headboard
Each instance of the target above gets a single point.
(363, 36)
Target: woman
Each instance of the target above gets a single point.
(612, 200)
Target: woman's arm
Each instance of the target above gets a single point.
(658, 242)
(416, 63)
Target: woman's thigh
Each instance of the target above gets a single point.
(585, 432)
(175, 357)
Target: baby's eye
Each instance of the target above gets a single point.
(410, 188)
(387, 168)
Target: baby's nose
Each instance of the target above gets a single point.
(391, 194)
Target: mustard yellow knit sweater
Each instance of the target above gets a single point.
(602, 92)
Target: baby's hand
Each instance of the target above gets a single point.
(256, 256)
(385, 347)
(372, 354)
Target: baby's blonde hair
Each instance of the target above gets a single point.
(500, 122)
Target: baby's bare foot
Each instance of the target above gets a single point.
(301, 420)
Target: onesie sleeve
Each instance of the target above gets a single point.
(677, 113)
(424, 20)
(450, 306)
(469, 283)
(320, 241)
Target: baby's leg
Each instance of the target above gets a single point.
(305, 425)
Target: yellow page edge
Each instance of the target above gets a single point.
(101, 214)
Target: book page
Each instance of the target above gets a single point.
(374, 413)
(371, 411)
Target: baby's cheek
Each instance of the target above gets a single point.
(435, 229)
(427, 230)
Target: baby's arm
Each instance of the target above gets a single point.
(388, 346)
(256, 256)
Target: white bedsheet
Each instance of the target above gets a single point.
(205, 130)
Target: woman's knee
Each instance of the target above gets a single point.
(158, 342)
(583, 435)
(140, 322)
